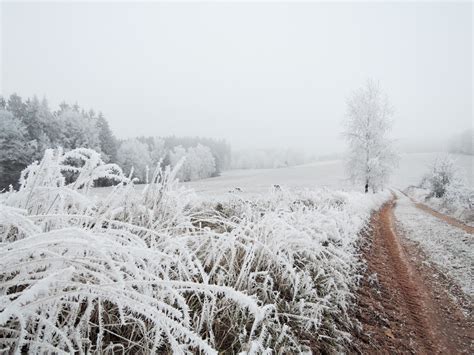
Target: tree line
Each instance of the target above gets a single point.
(202, 157)
(29, 127)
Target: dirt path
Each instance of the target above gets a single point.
(405, 305)
(450, 220)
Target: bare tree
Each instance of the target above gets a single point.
(371, 157)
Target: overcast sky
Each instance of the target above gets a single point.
(257, 74)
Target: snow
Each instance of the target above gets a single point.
(449, 248)
(323, 174)
(330, 174)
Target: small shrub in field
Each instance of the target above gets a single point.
(447, 191)
(443, 173)
(459, 200)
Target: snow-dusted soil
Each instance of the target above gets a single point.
(449, 248)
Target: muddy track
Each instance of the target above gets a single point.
(403, 304)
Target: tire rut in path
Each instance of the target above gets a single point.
(401, 309)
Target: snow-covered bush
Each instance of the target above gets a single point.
(444, 189)
(44, 188)
(458, 200)
(442, 173)
(162, 271)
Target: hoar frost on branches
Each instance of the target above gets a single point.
(448, 189)
(371, 156)
(198, 163)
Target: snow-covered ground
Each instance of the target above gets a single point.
(330, 174)
(451, 249)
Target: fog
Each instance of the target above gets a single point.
(256, 74)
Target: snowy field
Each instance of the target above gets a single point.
(325, 174)
(329, 174)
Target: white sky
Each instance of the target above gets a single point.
(257, 74)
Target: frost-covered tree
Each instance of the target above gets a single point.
(199, 163)
(79, 131)
(16, 106)
(108, 142)
(133, 154)
(220, 148)
(157, 149)
(175, 156)
(203, 164)
(371, 156)
(15, 149)
(41, 126)
(268, 158)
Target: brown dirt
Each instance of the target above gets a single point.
(409, 307)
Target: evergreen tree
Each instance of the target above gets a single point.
(37, 122)
(79, 131)
(16, 106)
(108, 142)
(15, 149)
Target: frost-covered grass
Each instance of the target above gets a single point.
(162, 270)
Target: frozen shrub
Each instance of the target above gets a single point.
(443, 172)
(459, 200)
(44, 188)
(444, 189)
